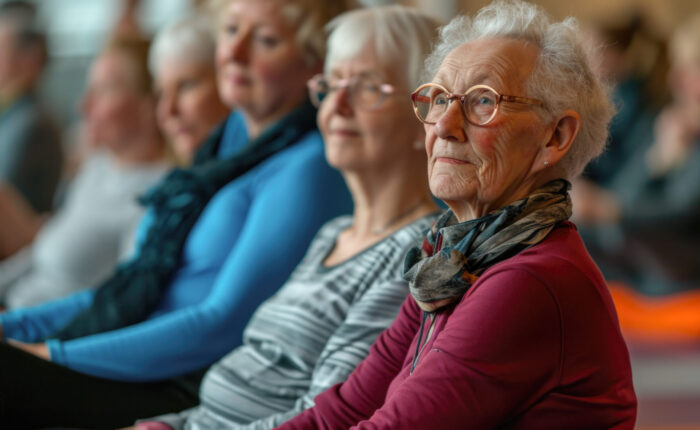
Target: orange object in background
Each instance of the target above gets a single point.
(668, 318)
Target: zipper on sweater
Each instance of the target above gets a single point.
(420, 343)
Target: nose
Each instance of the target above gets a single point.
(167, 105)
(451, 125)
(240, 51)
(341, 99)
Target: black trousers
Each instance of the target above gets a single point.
(35, 393)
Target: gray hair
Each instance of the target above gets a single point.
(402, 36)
(190, 39)
(561, 78)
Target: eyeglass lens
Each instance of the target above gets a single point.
(479, 104)
(363, 92)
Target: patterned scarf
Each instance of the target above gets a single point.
(135, 289)
(454, 254)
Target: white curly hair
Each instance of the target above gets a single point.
(561, 78)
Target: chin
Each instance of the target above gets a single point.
(447, 190)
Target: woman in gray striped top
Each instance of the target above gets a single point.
(348, 288)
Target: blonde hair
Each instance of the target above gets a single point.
(136, 49)
(685, 42)
(308, 17)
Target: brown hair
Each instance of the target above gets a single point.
(136, 49)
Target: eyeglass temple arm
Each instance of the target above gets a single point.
(523, 100)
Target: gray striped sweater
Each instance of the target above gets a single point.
(307, 337)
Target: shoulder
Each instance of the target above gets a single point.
(562, 255)
(306, 154)
(332, 228)
(559, 267)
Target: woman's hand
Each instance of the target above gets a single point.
(38, 349)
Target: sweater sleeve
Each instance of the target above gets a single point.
(499, 352)
(284, 215)
(343, 405)
(347, 347)
(38, 322)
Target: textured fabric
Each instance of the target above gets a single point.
(30, 152)
(307, 337)
(224, 274)
(83, 241)
(137, 286)
(534, 344)
(454, 254)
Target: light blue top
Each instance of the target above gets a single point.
(245, 244)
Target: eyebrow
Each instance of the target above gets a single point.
(481, 78)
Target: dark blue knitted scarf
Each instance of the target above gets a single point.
(135, 289)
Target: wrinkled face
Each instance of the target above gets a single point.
(113, 106)
(359, 138)
(261, 69)
(476, 169)
(189, 106)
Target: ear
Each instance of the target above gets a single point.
(565, 131)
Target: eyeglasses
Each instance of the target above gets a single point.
(479, 103)
(364, 91)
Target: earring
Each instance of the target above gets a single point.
(546, 163)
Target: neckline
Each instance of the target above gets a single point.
(322, 268)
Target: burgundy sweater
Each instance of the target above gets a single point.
(534, 344)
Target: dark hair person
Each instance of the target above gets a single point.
(510, 323)
(29, 138)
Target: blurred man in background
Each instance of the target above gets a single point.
(30, 152)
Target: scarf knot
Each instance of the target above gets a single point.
(454, 255)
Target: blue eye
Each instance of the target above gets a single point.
(440, 100)
(485, 100)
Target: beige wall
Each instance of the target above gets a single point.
(664, 14)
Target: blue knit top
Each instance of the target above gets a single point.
(243, 247)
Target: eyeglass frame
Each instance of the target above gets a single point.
(462, 97)
(346, 83)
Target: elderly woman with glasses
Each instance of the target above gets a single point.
(510, 324)
(348, 288)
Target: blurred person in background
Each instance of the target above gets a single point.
(348, 288)
(30, 148)
(182, 61)
(644, 229)
(629, 56)
(82, 242)
(218, 238)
